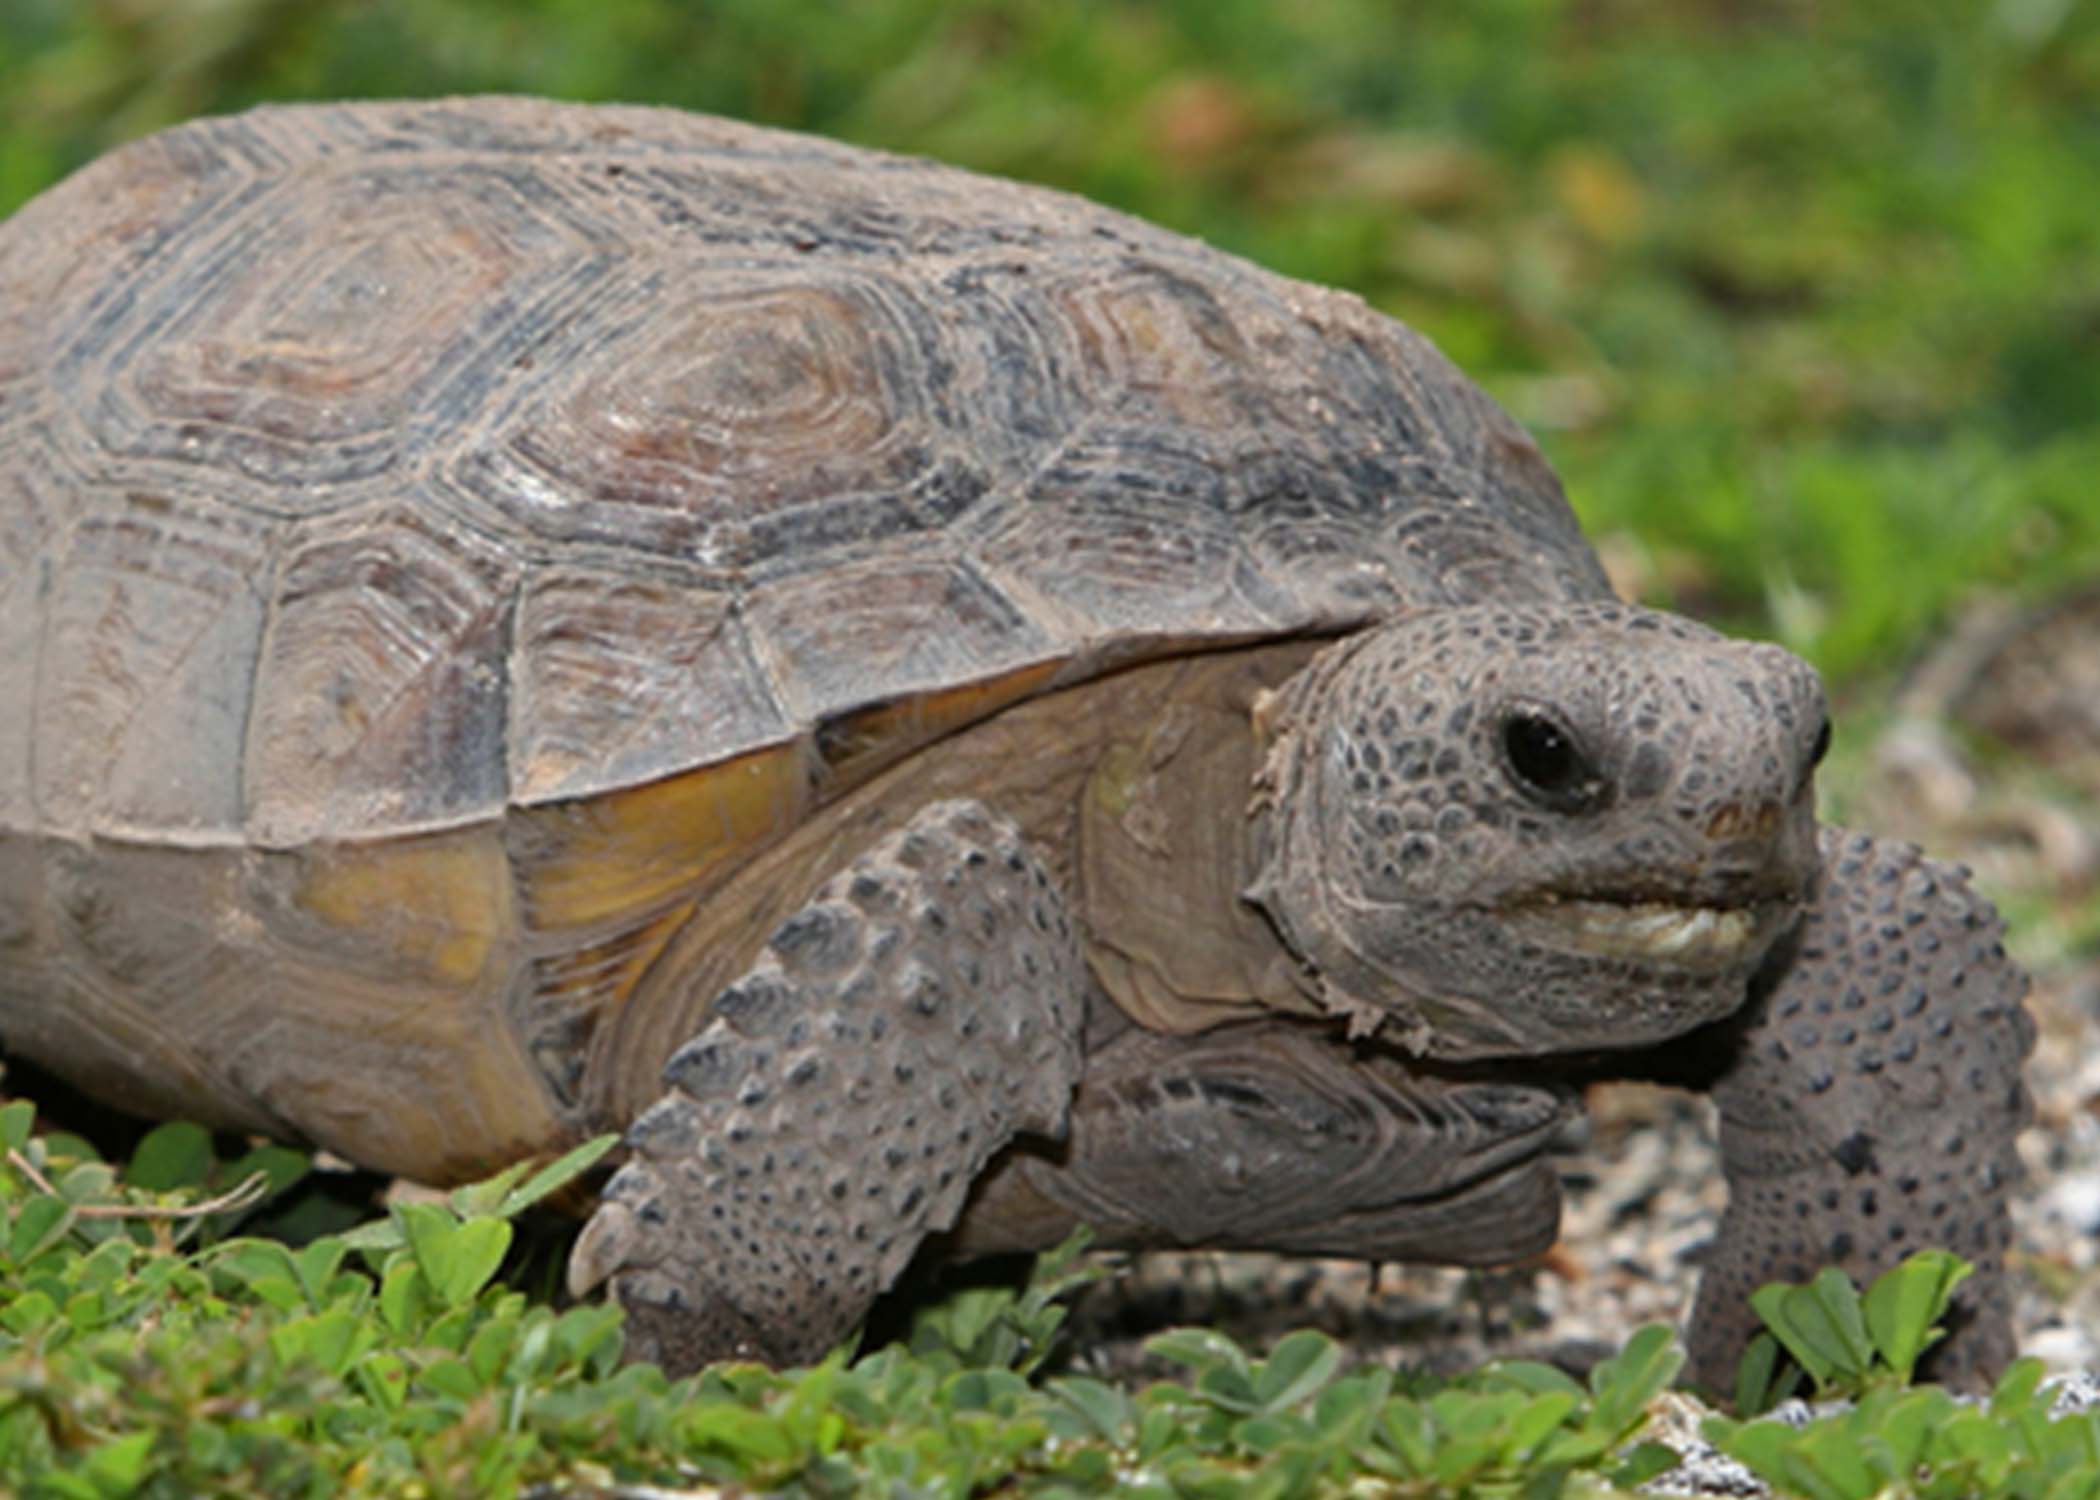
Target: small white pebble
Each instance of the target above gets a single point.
(2063, 1348)
(2074, 1197)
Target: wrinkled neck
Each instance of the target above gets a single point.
(1290, 882)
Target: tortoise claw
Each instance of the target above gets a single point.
(606, 1246)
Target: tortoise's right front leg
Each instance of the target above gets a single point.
(898, 1030)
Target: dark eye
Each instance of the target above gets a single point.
(1546, 761)
(1822, 746)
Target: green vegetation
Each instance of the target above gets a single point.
(1890, 1440)
(1801, 297)
(144, 1352)
(1846, 1343)
(142, 1355)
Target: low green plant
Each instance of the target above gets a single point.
(145, 1352)
(148, 1350)
(1923, 1444)
(1846, 1343)
(1882, 1438)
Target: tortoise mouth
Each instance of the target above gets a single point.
(1703, 939)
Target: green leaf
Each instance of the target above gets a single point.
(1200, 1349)
(1524, 1430)
(1642, 1463)
(339, 1338)
(1761, 1446)
(1635, 1376)
(87, 1182)
(266, 1269)
(404, 1295)
(451, 1376)
(175, 1155)
(1103, 1411)
(1898, 1431)
(1531, 1375)
(457, 1258)
(316, 1265)
(1978, 1441)
(1410, 1432)
(1765, 1377)
(1904, 1305)
(383, 1377)
(1301, 1363)
(752, 1436)
(483, 1199)
(26, 1313)
(557, 1174)
(1158, 1429)
(1829, 1462)
(41, 1223)
(117, 1468)
(1343, 1413)
(1821, 1326)
(2016, 1387)
(17, 1117)
(489, 1350)
(1228, 1387)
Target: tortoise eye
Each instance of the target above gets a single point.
(1547, 763)
(1822, 745)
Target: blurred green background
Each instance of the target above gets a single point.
(1803, 299)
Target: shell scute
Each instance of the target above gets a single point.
(312, 353)
(382, 682)
(619, 672)
(149, 614)
(704, 412)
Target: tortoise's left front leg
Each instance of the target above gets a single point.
(918, 1013)
(1872, 1103)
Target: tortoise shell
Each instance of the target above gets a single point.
(439, 543)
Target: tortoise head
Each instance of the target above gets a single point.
(1532, 830)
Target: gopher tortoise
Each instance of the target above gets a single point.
(941, 709)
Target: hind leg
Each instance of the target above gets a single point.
(919, 1013)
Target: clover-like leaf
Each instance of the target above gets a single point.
(457, 1258)
(1301, 1363)
(1903, 1306)
(40, 1223)
(1822, 1326)
(175, 1155)
(17, 1119)
(1200, 1349)
(1624, 1384)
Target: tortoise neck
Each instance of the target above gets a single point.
(1164, 850)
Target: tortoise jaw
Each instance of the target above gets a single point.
(1697, 938)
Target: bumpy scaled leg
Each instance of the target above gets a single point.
(920, 1012)
(1872, 1105)
(1271, 1135)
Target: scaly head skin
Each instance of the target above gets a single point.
(1519, 831)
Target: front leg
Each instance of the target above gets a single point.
(1872, 1105)
(1277, 1135)
(898, 1030)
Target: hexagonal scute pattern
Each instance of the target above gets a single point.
(333, 327)
(407, 462)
